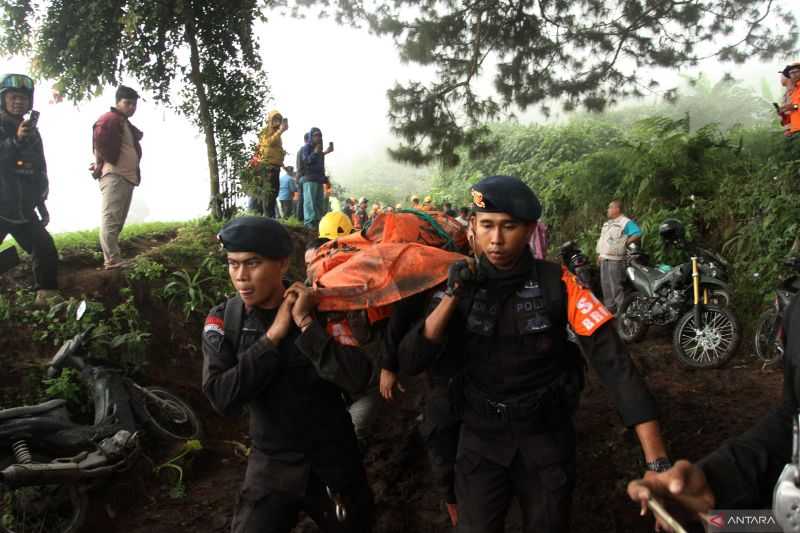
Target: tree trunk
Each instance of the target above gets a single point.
(205, 115)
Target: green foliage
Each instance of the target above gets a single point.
(735, 189)
(203, 51)
(145, 269)
(5, 308)
(88, 241)
(584, 53)
(120, 336)
(67, 386)
(196, 292)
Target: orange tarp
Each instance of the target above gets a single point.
(397, 256)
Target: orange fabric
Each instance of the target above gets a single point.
(397, 256)
(794, 116)
(584, 311)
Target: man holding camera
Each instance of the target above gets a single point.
(23, 183)
(315, 178)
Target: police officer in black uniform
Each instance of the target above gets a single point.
(742, 473)
(290, 374)
(504, 322)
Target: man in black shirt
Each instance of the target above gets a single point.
(501, 325)
(284, 367)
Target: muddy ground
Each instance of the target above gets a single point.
(699, 409)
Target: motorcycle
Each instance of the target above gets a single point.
(50, 461)
(769, 338)
(706, 333)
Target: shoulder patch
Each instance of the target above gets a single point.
(584, 311)
(214, 324)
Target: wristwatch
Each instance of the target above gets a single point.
(662, 464)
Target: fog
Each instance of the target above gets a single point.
(320, 74)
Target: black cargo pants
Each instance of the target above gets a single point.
(35, 240)
(541, 476)
(263, 508)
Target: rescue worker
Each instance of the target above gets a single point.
(24, 184)
(282, 365)
(503, 322)
(790, 110)
(742, 473)
(352, 329)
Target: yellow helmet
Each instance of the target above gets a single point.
(427, 200)
(334, 225)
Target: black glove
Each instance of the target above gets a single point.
(459, 275)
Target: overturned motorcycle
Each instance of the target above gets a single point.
(48, 461)
(706, 332)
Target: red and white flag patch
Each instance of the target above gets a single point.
(214, 324)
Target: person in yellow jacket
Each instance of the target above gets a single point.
(270, 156)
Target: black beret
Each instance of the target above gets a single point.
(506, 194)
(260, 235)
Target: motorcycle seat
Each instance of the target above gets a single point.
(30, 410)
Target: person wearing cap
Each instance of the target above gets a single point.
(264, 349)
(354, 330)
(790, 110)
(415, 202)
(24, 184)
(427, 204)
(502, 320)
(117, 153)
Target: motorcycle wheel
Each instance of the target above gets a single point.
(168, 416)
(57, 508)
(631, 330)
(767, 344)
(711, 347)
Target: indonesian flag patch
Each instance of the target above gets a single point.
(214, 324)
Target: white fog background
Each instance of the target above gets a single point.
(320, 74)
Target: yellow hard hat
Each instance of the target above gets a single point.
(334, 225)
(427, 200)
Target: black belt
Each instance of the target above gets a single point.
(536, 409)
(550, 404)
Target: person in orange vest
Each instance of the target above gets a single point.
(415, 202)
(790, 110)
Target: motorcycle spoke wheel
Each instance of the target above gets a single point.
(169, 416)
(631, 329)
(42, 509)
(767, 342)
(711, 346)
